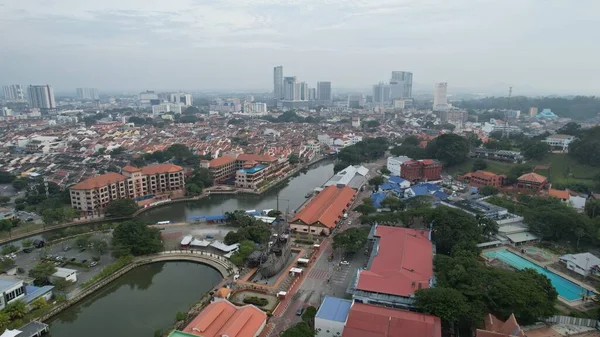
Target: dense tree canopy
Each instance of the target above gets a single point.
(42, 272)
(578, 107)
(450, 149)
(364, 151)
(351, 240)
(135, 238)
(586, 149)
(301, 329)
(479, 164)
(121, 208)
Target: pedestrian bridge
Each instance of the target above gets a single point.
(220, 263)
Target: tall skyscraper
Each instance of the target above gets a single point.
(41, 97)
(278, 82)
(303, 93)
(324, 91)
(14, 92)
(88, 93)
(312, 94)
(290, 89)
(440, 96)
(381, 93)
(401, 85)
(183, 98)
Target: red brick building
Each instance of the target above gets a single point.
(483, 178)
(532, 182)
(422, 170)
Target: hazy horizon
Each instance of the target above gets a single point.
(130, 45)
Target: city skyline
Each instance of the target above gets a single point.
(119, 45)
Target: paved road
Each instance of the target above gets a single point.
(324, 277)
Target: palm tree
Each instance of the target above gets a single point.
(16, 310)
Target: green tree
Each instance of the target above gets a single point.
(446, 303)
(274, 213)
(201, 177)
(452, 227)
(19, 184)
(6, 226)
(42, 272)
(393, 203)
(451, 149)
(121, 208)
(535, 150)
(366, 207)
(60, 284)
(592, 208)
(301, 329)
(293, 159)
(411, 140)
(309, 315)
(16, 310)
(488, 190)
(40, 303)
(193, 189)
(516, 171)
(4, 200)
(570, 128)
(4, 321)
(241, 256)
(351, 240)
(385, 171)
(135, 238)
(479, 164)
(191, 110)
(6, 177)
(376, 181)
(99, 246)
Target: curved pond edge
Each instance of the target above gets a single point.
(217, 262)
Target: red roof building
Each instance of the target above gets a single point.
(365, 320)
(401, 263)
(481, 178)
(323, 212)
(225, 319)
(531, 182)
(493, 327)
(421, 170)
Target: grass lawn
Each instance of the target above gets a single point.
(563, 170)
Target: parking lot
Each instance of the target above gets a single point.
(63, 253)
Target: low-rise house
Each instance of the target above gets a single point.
(481, 178)
(583, 264)
(394, 164)
(331, 316)
(10, 291)
(560, 142)
(532, 182)
(66, 274)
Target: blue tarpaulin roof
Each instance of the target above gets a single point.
(377, 198)
(420, 190)
(334, 309)
(441, 195)
(396, 180)
(387, 186)
(215, 217)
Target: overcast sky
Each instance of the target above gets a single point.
(545, 46)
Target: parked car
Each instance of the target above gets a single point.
(83, 261)
(93, 264)
(299, 311)
(73, 259)
(67, 248)
(344, 263)
(27, 250)
(37, 243)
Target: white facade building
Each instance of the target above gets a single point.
(356, 122)
(256, 108)
(440, 96)
(14, 92)
(278, 82)
(394, 164)
(582, 263)
(325, 139)
(10, 291)
(66, 274)
(88, 93)
(181, 98)
(290, 89)
(559, 141)
(166, 107)
(41, 97)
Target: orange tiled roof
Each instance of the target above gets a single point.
(99, 181)
(161, 168)
(130, 168)
(533, 177)
(496, 328)
(219, 161)
(256, 157)
(327, 207)
(559, 194)
(225, 319)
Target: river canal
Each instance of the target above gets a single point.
(291, 195)
(138, 303)
(148, 298)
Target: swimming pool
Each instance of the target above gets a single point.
(565, 288)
